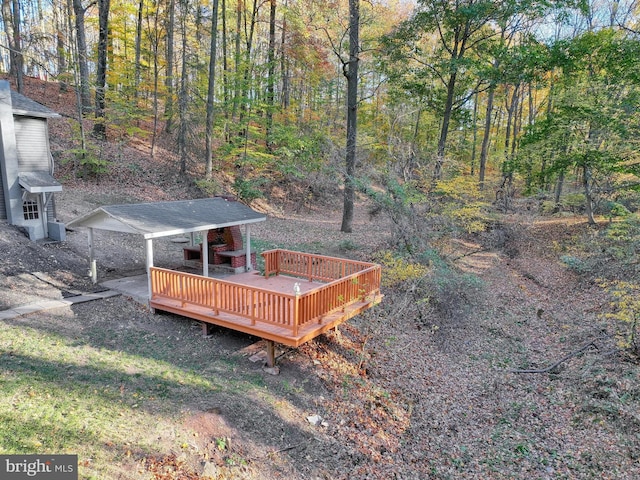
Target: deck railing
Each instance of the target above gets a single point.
(310, 266)
(259, 305)
(256, 304)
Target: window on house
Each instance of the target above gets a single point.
(30, 210)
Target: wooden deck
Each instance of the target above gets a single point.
(300, 296)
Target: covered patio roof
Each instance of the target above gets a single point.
(163, 219)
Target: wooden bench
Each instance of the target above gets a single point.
(237, 258)
(193, 252)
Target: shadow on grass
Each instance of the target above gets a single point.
(108, 378)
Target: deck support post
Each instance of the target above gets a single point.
(93, 270)
(206, 329)
(271, 353)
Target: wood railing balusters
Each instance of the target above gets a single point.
(355, 282)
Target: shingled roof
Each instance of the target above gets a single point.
(29, 108)
(161, 219)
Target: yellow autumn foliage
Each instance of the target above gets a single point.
(397, 270)
(625, 303)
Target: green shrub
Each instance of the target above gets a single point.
(615, 209)
(248, 190)
(578, 265)
(548, 207)
(209, 187)
(575, 202)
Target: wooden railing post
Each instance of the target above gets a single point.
(216, 298)
(252, 307)
(296, 314)
(181, 290)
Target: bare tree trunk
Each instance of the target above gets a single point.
(138, 47)
(11, 17)
(61, 57)
(414, 147)
(588, 194)
(182, 96)
(211, 92)
(83, 66)
(271, 58)
(484, 150)
(237, 56)
(284, 67)
(559, 185)
(350, 71)
(100, 128)
(225, 63)
(79, 109)
(444, 127)
(246, 67)
(168, 80)
(475, 134)
(156, 79)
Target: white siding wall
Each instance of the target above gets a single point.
(32, 141)
(3, 207)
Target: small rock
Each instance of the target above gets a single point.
(315, 419)
(210, 470)
(272, 370)
(258, 357)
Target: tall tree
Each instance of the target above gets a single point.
(138, 49)
(594, 121)
(211, 91)
(459, 26)
(183, 99)
(168, 104)
(350, 71)
(271, 59)
(82, 56)
(11, 19)
(100, 127)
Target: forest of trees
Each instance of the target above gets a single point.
(538, 94)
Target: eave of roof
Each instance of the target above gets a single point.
(38, 182)
(24, 106)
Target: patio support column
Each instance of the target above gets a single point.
(247, 230)
(93, 271)
(205, 254)
(149, 260)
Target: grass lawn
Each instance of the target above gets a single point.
(116, 385)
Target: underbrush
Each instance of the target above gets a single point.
(429, 289)
(611, 257)
(611, 251)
